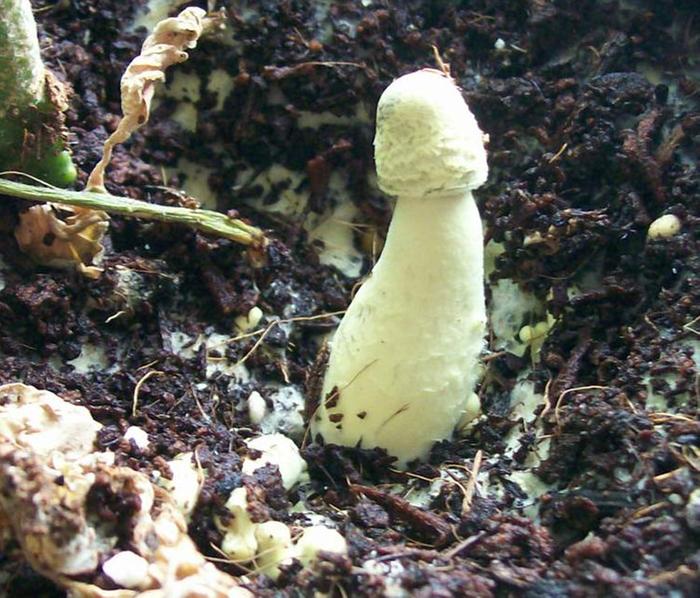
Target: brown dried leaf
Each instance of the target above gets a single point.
(75, 242)
(164, 47)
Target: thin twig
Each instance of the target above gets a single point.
(426, 522)
(669, 474)
(689, 326)
(471, 485)
(569, 391)
(442, 65)
(660, 417)
(137, 389)
(467, 543)
(265, 331)
(545, 400)
(556, 156)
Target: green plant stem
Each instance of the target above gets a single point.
(207, 221)
(21, 68)
(32, 134)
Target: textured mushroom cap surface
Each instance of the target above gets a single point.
(427, 139)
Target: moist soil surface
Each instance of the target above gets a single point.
(591, 108)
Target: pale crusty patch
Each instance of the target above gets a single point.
(48, 467)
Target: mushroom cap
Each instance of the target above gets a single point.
(427, 139)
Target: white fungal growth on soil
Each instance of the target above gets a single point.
(55, 526)
(404, 360)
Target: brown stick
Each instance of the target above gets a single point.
(428, 524)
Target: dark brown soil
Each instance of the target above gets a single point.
(592, 108)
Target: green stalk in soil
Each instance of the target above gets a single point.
(31, 101)
(214, 223)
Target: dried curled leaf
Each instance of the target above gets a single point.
(163, 48)
(75, 242)
(55, 491)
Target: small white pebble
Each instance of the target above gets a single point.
(250, 320)
(664, 227)
(127, 569)
(257, 407)
(622, 475)
(139, 436)
(500, 44)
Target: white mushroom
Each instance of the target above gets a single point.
(404, 360)
(269, 543)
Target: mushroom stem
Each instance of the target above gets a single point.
(435, 241)
(404, 374)
(405, 358)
